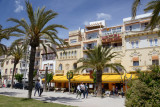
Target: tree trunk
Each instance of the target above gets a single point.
(31, 70)
(14, 67)
(94, 88)
(45, 86)
(99, 83)
(69, 85)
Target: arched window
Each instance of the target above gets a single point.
(60, 66)
(75, 53)
(75, 66)
(69, 53)
(72, 53)
(61, 54)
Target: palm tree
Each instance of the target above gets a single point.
(34, 31)
(15, 52)
(98, 59)
(3, 35)
(154, 6)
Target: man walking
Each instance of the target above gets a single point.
(37, 87)
(78, 91)
(83, 89)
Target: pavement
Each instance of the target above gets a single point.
(67, 99)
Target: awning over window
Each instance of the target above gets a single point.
(135, 59)
(155, 57)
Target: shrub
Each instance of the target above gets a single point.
(145, 91)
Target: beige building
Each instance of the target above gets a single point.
(136, 47)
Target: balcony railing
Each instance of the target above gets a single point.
(59, 72)
(118, 48)
(141, 31)
(142, 68)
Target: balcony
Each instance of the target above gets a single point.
(116, 49)
(59, 72)
(142, 68)
(140, 32)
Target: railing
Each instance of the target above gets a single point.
(140, 31)
(74, 32)
(142, 68)
(118, 48)
(59, 72)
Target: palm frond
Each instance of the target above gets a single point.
(134, 8)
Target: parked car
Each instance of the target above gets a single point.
(18, 86)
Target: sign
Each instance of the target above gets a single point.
(111, 38)
(102, 22)
(90, 85)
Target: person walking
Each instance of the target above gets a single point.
(41, 89)
(83, 89)
(86, 90)
(78, 91)
(37, 87)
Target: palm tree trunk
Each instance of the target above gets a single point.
(31, 69)
(14, 67)
(99, 83)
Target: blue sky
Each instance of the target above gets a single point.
(72, 13)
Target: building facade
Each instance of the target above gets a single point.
(136, 47)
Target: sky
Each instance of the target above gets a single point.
(73, 14)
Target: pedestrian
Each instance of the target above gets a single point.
(86, 90)
(83, 89)
(41, 89)
(37, 87)
(116, 90)
(78, 91)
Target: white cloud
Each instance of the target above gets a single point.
(18, 5)
(103, 16)
(86, 23)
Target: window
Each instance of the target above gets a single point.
(6, 62)
(5, 71)
(12, 61)
(75, 66)
(132, 44)
(73, 40)
(38, 54)
(156, 40)
(11, 71)
(75, 53)
(60, 66)
(150, 42)
(136, 44)
(61, 54)
(45, 65)
(51, 66)
(106, 69)
(130, 28)
(119, 68)
(135, 63)
(24, 65)
(155, 62)
(92, 35)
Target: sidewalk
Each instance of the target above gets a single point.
(67, 99)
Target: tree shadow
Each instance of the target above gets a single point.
(9, 93)
(65, 100)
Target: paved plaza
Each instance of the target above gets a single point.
(67, 99)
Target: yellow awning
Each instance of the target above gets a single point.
(86, 78)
